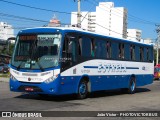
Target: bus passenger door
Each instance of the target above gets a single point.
(69, 52)
(69, 59)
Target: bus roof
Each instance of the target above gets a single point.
(75, 29)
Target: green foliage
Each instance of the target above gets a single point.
(7, 50)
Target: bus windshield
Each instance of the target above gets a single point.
(38, 51)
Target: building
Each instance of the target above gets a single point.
(148, 41)
(107, 19)
(6, 31)
(54, 22)
(134, 34)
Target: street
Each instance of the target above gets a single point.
(146, 98)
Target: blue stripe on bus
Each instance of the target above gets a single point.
(132, 67)
(121, 67)
(90, 66)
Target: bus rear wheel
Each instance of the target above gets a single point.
(132, 86)
(82, 90)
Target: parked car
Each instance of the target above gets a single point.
(4, 68)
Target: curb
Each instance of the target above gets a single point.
(2, 79)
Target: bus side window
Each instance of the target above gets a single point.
(108, 44)
(98, 49)
(101, 51)
(147, 57)
(141, 54)
(121, 51)
(72, 51)
(150, 54)
(132, 52)
(115, 54)
(83, 50)
(145, 54)
(127, 52)
(80, 46)
(93, 47)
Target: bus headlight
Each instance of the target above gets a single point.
(12, 77)
(51, 79)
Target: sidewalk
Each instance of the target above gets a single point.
(2, 79)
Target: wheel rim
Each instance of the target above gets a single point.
(82, 88)
(132, 86)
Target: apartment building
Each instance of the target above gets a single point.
(134, 35)
(6, 31)
(107, 19)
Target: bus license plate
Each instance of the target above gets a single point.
(29, 89)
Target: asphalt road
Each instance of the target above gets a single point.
(146, 98)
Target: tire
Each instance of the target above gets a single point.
(82, 90)
(132, 86)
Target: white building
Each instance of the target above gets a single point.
(134, 34)
(107, 20)
(148, 41)
(6, 31)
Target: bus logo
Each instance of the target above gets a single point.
(111, 68)
(29, 79)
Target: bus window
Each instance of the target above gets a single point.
(85, 46)
(80, 46)
(121, 51)
(132, 52)
(147, 52)
(141, 54)
(115, 54)
(98, 49)
(108, 44)
(150, 54)
(54, 50)
(92, 47)
(101, 49)
(72, 50)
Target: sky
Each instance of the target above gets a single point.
(142, 14)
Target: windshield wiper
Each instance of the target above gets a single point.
(40, 66)
(19, 66)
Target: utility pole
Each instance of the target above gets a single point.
(158, 38)
(79, 13)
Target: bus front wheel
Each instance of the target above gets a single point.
(82, 90)
(132, 86)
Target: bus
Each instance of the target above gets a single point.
(59, 61)
(157, 71)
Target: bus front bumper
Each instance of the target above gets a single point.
(38, 88)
